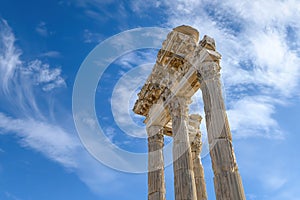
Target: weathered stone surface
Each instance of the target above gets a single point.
(196, 145)
(156, 196)
(184, 180)
(187, 30)
(222, 155)
(169, 68)
(182, 68)
(156, 181)
(228, 186)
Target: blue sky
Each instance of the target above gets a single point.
(43, 44)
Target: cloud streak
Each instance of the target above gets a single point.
(23, 86)
(19, 79)
(9, 57)
(59, 146)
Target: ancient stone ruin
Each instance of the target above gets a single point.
(184, 66)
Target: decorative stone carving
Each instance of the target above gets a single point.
(228, 184)
(196, 145)
(208, 43)
(178, 106)
(169, 68)
(156, 181)
(182, 68)
(208, 71)
(184, 180)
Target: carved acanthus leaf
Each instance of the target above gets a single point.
(178, 106)
(208, 71)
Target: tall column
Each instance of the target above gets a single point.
(156, 179)
(184, 182)
(196, 146)
(227, 180)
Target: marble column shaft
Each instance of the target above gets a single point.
(196, 146)
(227, 180)
(156, 179)
(184, 182)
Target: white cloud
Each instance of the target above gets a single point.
(62, 147)
(274, 181)
(43, 75)
(9, 56)
(48, 139)
(90, 37)
(42, 29)
(276, 65)
(51, 54)
(137, 66)
(110, 132)
(252, 116)
(97, 9)
(140, 6)
(19, 78)
(32, 126)
(134, 59)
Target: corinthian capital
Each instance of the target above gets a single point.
(208, 71)
(196, 144)
(155, 134)
(178, 106)
(194, 133)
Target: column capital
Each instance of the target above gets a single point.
(156, 180)
(209, 71)
(195, 120)
(196, 144)
(184, 180)
(155, 133)
(179, 105)
(194, 133)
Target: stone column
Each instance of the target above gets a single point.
(227, 180)
(156, 179)
(196, 146)
(184, 182)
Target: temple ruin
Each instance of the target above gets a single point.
(184, 66)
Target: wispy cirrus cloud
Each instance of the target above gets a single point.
(48, 139)
(60, 146)
(19, 77)
(9, 57)
(51, 54)
(24, 85)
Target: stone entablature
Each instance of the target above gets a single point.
(176, 69)
(183, 66)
